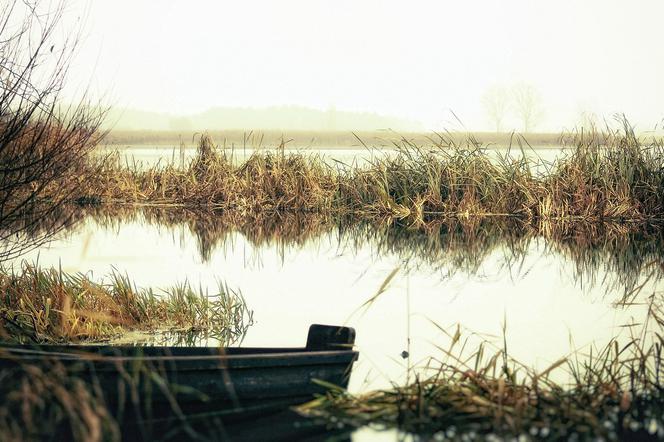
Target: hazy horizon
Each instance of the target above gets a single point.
(259, 118)
(440, 65)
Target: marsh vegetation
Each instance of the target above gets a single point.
(438, 207)
(610, 176)
(48, 305)
(473, 387)
(615, 393)
(444, 208)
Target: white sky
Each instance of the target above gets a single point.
(415, 59)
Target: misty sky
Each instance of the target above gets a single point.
(417, 59)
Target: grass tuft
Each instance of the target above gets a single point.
(615, 393)
(48, 305)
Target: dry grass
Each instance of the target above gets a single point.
(39, 401)
(615, 393)
(609, 176)
(48, 305)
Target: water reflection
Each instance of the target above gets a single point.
(34, 224)
(558, 287)
(188, 338)
(618, 257)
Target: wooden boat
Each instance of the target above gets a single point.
(194, 380)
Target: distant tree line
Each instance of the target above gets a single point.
(521, 101)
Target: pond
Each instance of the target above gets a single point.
(543, 292)
(549, 297)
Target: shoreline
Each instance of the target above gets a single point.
(347, 140)
(327, 140)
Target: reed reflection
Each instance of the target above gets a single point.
(620, 257)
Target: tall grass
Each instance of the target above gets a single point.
(613, 393)
(271, 181)
(608, 176)
(615, 176)
(48, 305)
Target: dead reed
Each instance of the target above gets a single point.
(613, 393)
(609, 176)
(48, 305)
(42, 401)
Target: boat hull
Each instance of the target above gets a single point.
(195, 379)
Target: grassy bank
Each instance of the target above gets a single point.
(48, 305)
(613, 393)
(608, 176)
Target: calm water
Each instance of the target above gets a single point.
(143, 156)
(552, 299)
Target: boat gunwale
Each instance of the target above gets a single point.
(299, 356)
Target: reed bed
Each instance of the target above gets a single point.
(48, 305)
(613, 393)
(609, 176)
(270, 181)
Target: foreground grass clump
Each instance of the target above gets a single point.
(40, 401)
(48, 398)
(609, 176)
(485, 408)
(615, 393)
(48, 305)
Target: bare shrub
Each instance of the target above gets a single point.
(42, 142)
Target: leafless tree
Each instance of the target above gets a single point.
(496, 101)
(527, 105)
(42, 143)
